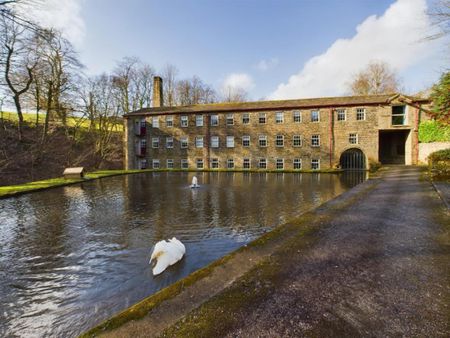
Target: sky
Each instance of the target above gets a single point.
(274, 49)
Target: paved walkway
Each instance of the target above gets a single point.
(379, 267)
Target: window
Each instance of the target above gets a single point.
(230, 163)
(184, 121)
(155, 142)
(230, 119)
(199, 163)
(199, 142)
(360, 114)
(155, 121)
(341, 116)
(169, 142)
(169, 164)
(184, 163)
(184, 142)
(214, 120)
(199, 120)
(143, 164)
(230, 141)
(246, 141)
(279, 117)
(262, 163)
(262, 118)
(214, 163)
(263, 141)
(279, 141)
(143, 143)
(297, 141)
(315, 140)
(315, 116)
(297, 163)
(214, 141)
(398, 115)
(155, 164)
(169, 121)
(315, 164)
(280, 163)
(246, 163)
(353, 138)
(245, 118)
(297, 116)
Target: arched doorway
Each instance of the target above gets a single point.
(353, 159)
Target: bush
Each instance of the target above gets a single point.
(439, 162)
(440, 155)
(374, 165)
(434, 131)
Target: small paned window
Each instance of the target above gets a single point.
(214, 163)
(315, 164)
(169, 142)
(155, 121)
(297, 163)
(214, 120)
(230, 119)
(246, 141)
(398, 115)
(262, 118)
(353, 138)
(315, 140)
(184, 121)
(262, 163)
(155, 142)
(184, 163)
(169, 164)
(155, 164)
(199, 142)
(341, 115)
(263, 141)
(214, 141)
(246, 164)
(245, 118)
(279, 141)
(199, 120)
(279, 117)
(230, 141)
(199, 163)
(184, 142)
(169, 121)
(297, 116)
(360, 114)
(297, 141)
(230, 163)
(315, 116)
(280, 163)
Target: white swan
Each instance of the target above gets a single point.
(194, 182)
(166, 254)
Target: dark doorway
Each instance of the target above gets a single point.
(353, 159)
(391, 147)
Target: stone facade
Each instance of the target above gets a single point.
(155, 138)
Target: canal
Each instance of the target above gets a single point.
(70, 257)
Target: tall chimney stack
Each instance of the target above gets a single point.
(158, 100)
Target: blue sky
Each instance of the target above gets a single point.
(275, 49)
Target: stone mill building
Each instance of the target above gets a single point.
(305, 134)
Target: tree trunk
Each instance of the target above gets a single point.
(49, 104)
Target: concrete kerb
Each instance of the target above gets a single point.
(170, 304)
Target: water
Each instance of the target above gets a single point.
(71, 257)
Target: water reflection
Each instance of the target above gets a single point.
(71, 257)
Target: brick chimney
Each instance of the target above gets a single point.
(157, 92)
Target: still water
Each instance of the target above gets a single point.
(71, 257)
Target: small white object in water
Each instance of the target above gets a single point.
(166, 254)
(194, 182)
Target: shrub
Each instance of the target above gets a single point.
(374, 165)
(439, 162)
(434, 131)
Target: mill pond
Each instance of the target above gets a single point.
(71, 257)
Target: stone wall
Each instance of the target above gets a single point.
(426, 149)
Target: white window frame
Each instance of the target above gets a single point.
(199, 120)
(184, 163)
(297, 161)
(155, 142)
(198, 161)
(156, 164)
(169, 121)
(262, 116)
(230, 117)
(245, 161)
(230, 142)
(214, 120)
(215, 141)
(184, 142)
(230, 160)
(245, 118)
(155, 121)
(405, 114)
(297, 138)
(262, 138)
(245, 139)
(353, 138)
(318, 115)
(279, 138)
(214, 163)
(265, 163)
(143, 164)
(279, 117)
(169, 142)
(313, 138)
(318, 163)
(199, 142)
(277, 162)
(184, 121)
(169, 163)
(339, 114)
(297, 115)
(360, 111)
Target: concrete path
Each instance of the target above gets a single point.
(378, 267)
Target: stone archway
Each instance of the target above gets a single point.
(353, 159)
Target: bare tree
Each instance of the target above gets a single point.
(234, 94)
(440, 16)
(169, 76)
(194, 91)
(376, 78)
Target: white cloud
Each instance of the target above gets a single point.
(265, 65)
(396, 37)
(64, 15)
(238, 81)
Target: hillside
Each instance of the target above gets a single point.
(33, 159)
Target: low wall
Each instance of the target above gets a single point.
(426, 149)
